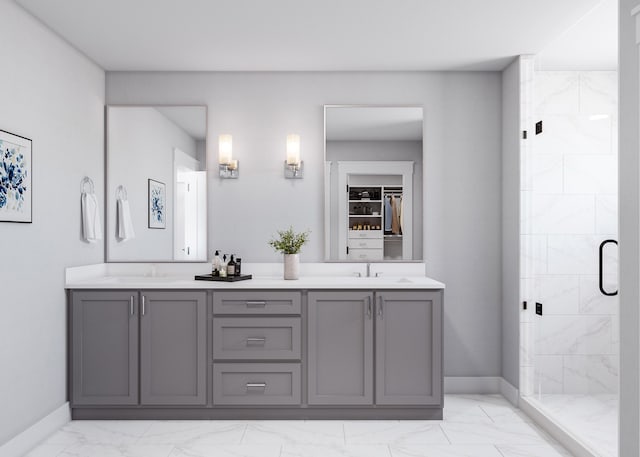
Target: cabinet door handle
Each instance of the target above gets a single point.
(369, 310)
(256, 341)
(131, 305)
(380, 308)
(256, 385)
(256, 304)
(143, 307)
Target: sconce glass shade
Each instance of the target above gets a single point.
(225, 149)
(228, 167)
(293, 165)
(293, 149)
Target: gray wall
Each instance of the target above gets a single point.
(378, 151)
(141, 144)
(55, 96)
(511, 222)
(629, 230)
(462, 144)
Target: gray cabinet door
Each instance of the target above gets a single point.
(104, 348)
(340, 347)
(173, 342)
(409, 348)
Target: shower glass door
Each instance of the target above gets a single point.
(570, 278)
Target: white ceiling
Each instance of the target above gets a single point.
(192, 119)
(305, 35)
(591, 43)
(373, 123)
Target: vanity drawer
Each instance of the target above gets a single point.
(366, 243)
(249, 302)
(256, 338)
(256, 384)
(365, 254)
(356, 234)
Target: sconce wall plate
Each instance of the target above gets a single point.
(293, 171)
(226, 172)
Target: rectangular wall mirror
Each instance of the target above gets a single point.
(373, 183)
(156, 207)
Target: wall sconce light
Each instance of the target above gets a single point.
(293, 166)
(226, 164)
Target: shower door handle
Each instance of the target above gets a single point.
(601, 268)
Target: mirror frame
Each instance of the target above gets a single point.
(327, 203)
(106, 175)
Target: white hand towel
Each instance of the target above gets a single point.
(91, 228)
(125, 224)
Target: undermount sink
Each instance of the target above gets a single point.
(146, 279)
(383, 279)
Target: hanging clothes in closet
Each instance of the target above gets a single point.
(387, 213)
(396, 215)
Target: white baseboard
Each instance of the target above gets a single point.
(472, 384)
(510, 392)
(31, 437)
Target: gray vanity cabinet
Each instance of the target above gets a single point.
(408, 347)
(173, 344)
(104, 348)
(340, 337)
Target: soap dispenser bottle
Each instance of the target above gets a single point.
(215, 264)
(223, 267)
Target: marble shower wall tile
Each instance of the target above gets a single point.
(598, 92)
(563, 214)
(573, 254)
(549, 374)
(546, 173)
(590, 174)
(556, 92)
(574, 335)
(560, 294)
(591, 374)
(607, 213)
(573, 134)
(533, 255)
(592, 301)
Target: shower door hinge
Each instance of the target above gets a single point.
(539, 309)
(524, 305)
(524, 134)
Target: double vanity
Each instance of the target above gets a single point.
(322, 347)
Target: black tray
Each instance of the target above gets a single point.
(210, 277)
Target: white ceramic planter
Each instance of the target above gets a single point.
(291, 266)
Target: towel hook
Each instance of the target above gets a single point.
(86, 180)
(121, 191)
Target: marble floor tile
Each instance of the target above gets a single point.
(502, 433)
(105, 450)
(500, 414)
(113, 433)
(532, 450)
(335, 451)
(452, 450)
(236, 450)
(194, 432)
(294, 432)
(47, 450)
(394, 433)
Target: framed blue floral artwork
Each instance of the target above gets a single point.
(157, 204)
(15, 178)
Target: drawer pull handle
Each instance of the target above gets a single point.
(256, 385)
(256, 341)
(131, 310)
(256, 304)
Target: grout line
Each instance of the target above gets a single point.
(499, 451)
(244, 432)
(445, 433)
(487, 414)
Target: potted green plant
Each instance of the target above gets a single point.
(289, 243)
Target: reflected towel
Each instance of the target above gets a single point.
(387, 214)
(395, 220)
(125, 225)
(91, 228)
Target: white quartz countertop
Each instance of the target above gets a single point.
(266, 282)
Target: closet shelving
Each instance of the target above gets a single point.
(367, 237)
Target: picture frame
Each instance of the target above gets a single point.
(157, 204)
(16, 185)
